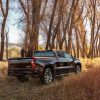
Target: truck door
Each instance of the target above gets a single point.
(61, 63)
(69, 62)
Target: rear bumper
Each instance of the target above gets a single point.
(18, 71)
(23, 71)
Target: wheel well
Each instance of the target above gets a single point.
(49, 66)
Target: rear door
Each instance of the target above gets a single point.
(69, 61)
(62, 64)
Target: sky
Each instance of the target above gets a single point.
(13, 30)
(13, 33)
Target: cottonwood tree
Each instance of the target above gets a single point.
(95, 25)
(63, 25)
(4, 11)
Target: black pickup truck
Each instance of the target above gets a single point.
(45, 64)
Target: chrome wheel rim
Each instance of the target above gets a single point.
(48, 76)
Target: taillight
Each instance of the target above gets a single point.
(33, 63)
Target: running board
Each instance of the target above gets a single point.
(65, 74)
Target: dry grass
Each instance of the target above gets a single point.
(3, 69)
(85, 86)
(90, 63)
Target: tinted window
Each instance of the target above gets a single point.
(60, 54)
(67, 56)
(43, 54)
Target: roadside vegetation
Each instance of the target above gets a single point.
(85, 86)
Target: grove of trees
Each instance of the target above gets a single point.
(71, 25)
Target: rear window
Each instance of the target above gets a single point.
(43, 54)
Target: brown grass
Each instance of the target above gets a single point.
(85, 86)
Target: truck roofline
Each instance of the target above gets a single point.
(50, 50)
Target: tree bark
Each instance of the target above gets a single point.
(5, 14)
(50, 25)
(36, 5)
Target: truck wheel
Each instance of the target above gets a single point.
(47, 77)
(78, 69)
(22, 78)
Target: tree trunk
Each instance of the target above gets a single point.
(5, 14)
(6, 46)
(50, 25)
(36, 5)
(92, 30)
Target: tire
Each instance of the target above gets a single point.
(78, 69)
(48, 76)
(22, 78)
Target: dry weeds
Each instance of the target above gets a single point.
(85, 86)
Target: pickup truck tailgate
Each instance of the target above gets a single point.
(17, 66)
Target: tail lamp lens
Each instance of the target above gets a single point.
(33, 64)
